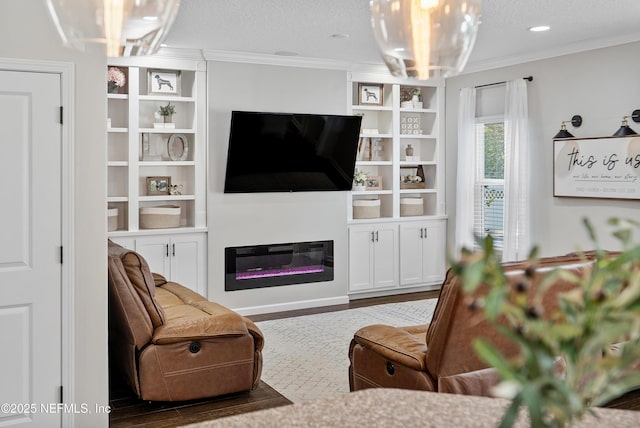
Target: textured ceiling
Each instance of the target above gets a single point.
(305, 27)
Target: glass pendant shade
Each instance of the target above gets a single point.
(126, 27)
(425, 38)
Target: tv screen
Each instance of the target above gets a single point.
(290, 152)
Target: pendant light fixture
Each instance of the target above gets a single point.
(126, 27)
(425, 38)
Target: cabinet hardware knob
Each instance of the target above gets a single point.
(421, 232)
(425, 233)
(173, 250)
(373, 236)
(166, 250)
(376, 236)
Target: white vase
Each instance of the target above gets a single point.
(358, 187)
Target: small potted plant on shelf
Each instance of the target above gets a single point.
(115, 80)
(167, 112)
(359, 180)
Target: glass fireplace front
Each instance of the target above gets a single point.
(258, 266)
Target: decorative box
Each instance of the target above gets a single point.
(160, 217)
(112, 219)
(366, 208)
(411, 206)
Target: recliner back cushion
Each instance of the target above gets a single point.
(455, 325)
(142, 280)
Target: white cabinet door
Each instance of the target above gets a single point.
(360, 258)
(180, 258)
(422, 252)
(434, 257)
(385, 256)
(155, 250)
(373, 257)
(411, 253)
(188, 261)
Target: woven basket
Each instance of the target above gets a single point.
(160, 217)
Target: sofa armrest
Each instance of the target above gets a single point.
(258, 337)
(403, 345)
(230, 324)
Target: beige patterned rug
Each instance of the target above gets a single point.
(306, 357)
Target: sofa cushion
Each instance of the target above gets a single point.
(189, 316)
(138, 272)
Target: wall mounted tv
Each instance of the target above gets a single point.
(291, 152)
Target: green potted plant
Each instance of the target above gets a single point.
(359, 180)
(602, 310)
(167, 112)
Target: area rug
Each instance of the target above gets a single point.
(306, 357)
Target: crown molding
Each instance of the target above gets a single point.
(570, 49)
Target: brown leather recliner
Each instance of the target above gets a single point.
(170, 342)
(439, 356)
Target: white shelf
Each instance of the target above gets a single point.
(117, 199)
(391, 119)
(159, 198)
(133, 114)
(371, 108)
(118, 130)
(167, 98)
(167, 131)
(166, 163)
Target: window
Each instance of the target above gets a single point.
(489, 187)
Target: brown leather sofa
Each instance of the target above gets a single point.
(170, 342)
(439, 356)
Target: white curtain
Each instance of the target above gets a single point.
(516, 173)
(466, 170)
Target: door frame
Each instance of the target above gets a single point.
(67, 95)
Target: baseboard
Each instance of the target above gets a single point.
(292, 306)
(394, 291)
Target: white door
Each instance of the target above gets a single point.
(434, 254)
(385, 256)
(411, 249)
(31, 237)
(361, 243)
(188, 261)
(155, 250)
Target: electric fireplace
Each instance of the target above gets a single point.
(258, 266)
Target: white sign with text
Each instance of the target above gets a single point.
(606, 167)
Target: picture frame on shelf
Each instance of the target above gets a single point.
(158, 185)
(374, 182)
(370, 94)
(178, 147)
(163, 82)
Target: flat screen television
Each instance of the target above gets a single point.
(291, 152)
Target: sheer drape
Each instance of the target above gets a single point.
(466, 169)
(516, 174)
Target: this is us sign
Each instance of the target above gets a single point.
(597, 167)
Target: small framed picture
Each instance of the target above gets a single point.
(158, 185)
(374, 182)
(370, 94)
(163, 82)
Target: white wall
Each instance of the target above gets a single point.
(267, 218)
(27, 33)
(602, 86)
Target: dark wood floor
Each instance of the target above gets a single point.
(128, 411)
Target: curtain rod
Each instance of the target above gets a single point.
(529, 78)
